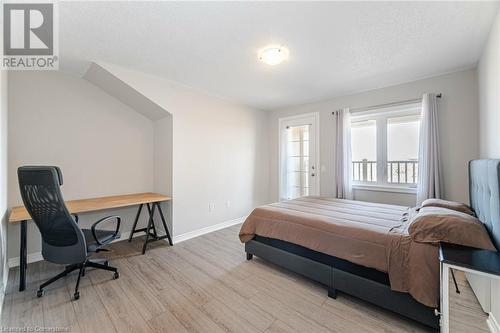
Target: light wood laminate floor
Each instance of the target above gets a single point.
(204, 285)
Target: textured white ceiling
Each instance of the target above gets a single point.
(336, 48)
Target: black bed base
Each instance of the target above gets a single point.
(340, 275)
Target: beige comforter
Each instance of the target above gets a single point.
(369, 234)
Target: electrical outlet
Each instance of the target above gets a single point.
(211, 207)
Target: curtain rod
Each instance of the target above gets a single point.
(380, 106)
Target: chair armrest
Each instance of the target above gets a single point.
(93, 228)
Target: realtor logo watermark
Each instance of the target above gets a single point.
(30, 36)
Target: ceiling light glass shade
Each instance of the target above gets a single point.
(273, 55)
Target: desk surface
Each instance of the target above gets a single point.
(475, 259)
(20, 213)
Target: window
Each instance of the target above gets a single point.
(385, 146)
(402, 149)
(364, 150)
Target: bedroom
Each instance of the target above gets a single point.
(183, 120)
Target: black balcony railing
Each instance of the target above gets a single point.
(398, 172)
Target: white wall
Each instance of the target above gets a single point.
(3, 185)
(489, 104)
(102, 146)
(459, 128)
(489, 94)
(220, 152)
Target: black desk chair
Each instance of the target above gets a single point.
(63, 242)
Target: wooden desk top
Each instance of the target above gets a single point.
(20, 213)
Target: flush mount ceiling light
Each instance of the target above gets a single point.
(273, 54)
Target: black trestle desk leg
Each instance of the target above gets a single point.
(23, 261)
(135, 223)
(153, 226)
(150, 222)
(164, 224)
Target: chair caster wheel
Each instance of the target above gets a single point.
(76, 295)
(116, 275)
(40, 293)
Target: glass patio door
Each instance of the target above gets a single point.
(298, 158)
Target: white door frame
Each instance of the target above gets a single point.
(315, 124)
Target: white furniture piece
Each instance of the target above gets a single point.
(481, 262)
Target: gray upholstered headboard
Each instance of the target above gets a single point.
(484, 192)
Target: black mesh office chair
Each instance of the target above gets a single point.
(63, 242)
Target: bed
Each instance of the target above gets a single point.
(360, 248)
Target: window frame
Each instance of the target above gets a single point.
(380, 115)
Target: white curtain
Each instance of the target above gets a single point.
(343, 158)
(429, 166)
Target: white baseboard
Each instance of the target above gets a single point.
(37, 256)
(493, 323)
(206, 230)
(32, 257)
